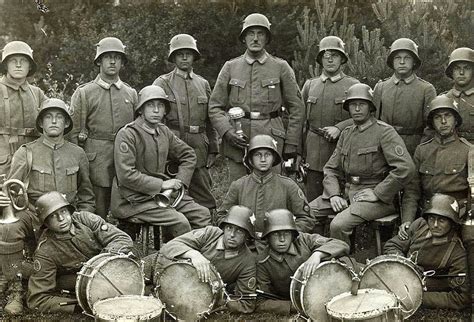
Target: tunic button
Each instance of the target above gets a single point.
(454, 170)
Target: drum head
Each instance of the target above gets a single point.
(128, 307)
(397, 275)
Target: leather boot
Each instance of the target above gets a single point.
(15, 298)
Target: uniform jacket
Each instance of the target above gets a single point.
(55, 167)
(446, 292)
(324, 96)
(17, 125)
(140, 155)
(64, 254)
(193, 91)
(465, 103)
(402, 104)
(261, 194)
(441, 166)
(263, 85)
(102, 109)
(274, 270)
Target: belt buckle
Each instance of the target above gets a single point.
(194, 129)
(254, 115)
(355, 179)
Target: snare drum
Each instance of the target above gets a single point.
(397, 275)
(309, 295)
(367, 305)
(185, 296)
(128, 308)
(108, 275)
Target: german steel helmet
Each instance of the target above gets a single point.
(262, 141)
(442, 102)
(49, 203)
(331, 43)
(256, 20)
(359, 91)
(404, 44)
(107, 45)
(443, 205)
(183, 41)
(278, 219)
(18, 48)
(459, 54)
(49, 104)
(149, 93)
(240, 216)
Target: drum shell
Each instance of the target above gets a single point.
(152, 313)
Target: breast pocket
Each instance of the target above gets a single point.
(454, 168)
(271, 90)
(71, 178)
(367, 158)
(42, 178)
(237, 91)
(340, 112)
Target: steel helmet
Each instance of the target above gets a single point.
(110, 44)
(183, 41)
(262, 141)
(362, 92)
(152, 92)
(242, 217)
(18, 48)
(443, 205)
(404, 44)
(442, 102)
(278, 219)
(49, 104)
(49, 203)
(256, 20)
(331, 43)
(464, 54)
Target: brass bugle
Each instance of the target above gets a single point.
(8, 213)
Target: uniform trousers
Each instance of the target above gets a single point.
(200, 188)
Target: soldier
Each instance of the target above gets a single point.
(20, 101)
(326, 118)
(287, 249)
(436, 240)
(373, 162)
(401, 100)
(141, 151)
(260, 84)
(225, 248)
(100, 108)
(52, 163)
(188, 118)
(70, 239)
(263, 190)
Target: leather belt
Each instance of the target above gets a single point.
(27, 131)
(102, 136)
(262, 116)
(408, 130)
(193, 129)
(364, 180)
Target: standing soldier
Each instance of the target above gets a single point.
(101, 107)
(324, 96)
(260, 84)
(401, 100)
(20, 101)
(188, 118)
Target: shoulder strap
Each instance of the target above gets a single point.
(29, 165)
(448, 253)
(84, 111)
(35, 98)
(470, 177)
(178, 105)
(7, 105)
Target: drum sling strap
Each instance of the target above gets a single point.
(470, 180)
(12, 139)
(448, 253)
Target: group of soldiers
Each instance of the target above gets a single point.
(370, 153)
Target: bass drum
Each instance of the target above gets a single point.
(107, 275)
(310, 295)
(128, 308)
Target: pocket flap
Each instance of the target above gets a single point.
(72, 170)
(41, 169)
(370, 149)
(312, 99)
(426, 169)
(454, 168)
(278, 133)
(202, 99)
(172, 99)
(339, 100)
(91, 156)
(237, 82)
(270, 81)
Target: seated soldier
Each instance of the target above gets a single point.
(435, 237)
(70, 239)
(285, 251)
(264, 190)
(225, 248)
(141, 151)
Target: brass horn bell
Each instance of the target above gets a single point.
(8, 213)
(163, 199)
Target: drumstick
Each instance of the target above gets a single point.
(269, 295)
(68, 303)
(387, 287)
(110, 282)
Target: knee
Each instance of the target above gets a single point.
(338, 224)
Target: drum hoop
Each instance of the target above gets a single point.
(398, 259)
(152, 314)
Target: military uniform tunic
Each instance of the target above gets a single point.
(58, 255)
(465, 103)
(443, 292)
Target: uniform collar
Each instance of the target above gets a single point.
(366, 125)
(456, 92)
(279, 257)
(450, 139)
(407, 80)
(69, 235)
(183, 74)
(141, 123)
(333, 79)
(7, 82)
(262, 59)
(228, 254)
(442, 240)
(262, 179)
(51, 145)
(99, 81)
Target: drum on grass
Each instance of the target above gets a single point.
(128, 308)
(107, 275)
(368, 305)
(397, 275)
(309, 295)
(184, 295)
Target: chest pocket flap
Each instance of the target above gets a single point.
(454, 168)
(426, 169)
(72, 170)
(237, 82)
(312, 99)
(339, 100)
(41, 169)
(370, 149)
(202, 99)
(270, 82)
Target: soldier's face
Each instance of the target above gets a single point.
(359, 111)
(403, 63)
(153, 112)
(462, 73)
(262, 159)
(184, 59)
(255, 39)
(54, 122)
(439, 226)
(18, 66)
(234, 236)
(59, 221)
(110, 64)
(444, 122)
(331, 62)
(280, 241)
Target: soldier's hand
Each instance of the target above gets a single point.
(366, 195)
(4, 200)
(203, 266)
(331, 133)
(211, 159)
(338, 204)
(174, 184)
(403, 230)
(311, 264)
(235, 139)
